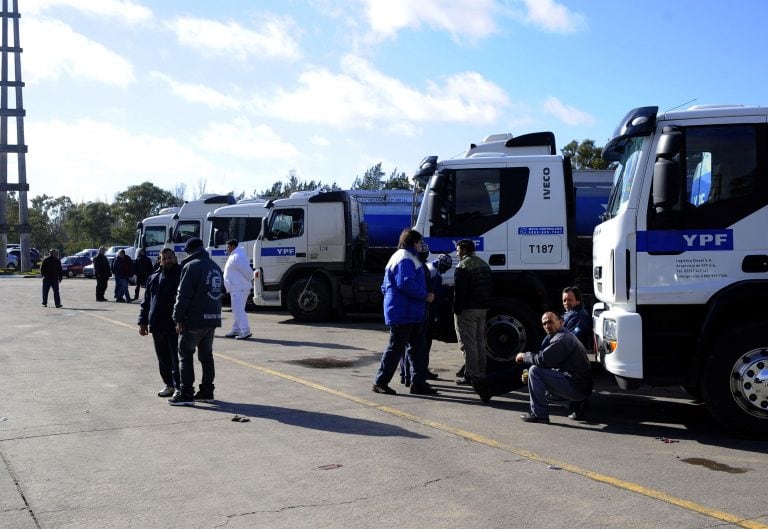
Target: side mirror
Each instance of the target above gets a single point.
(666, 171)
(666, 185)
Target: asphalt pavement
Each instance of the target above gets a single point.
(86, 443)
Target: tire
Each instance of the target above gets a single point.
(309, 300)
(70, 274)
(735, 380)
(510, 328)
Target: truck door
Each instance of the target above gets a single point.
(700, 242)
(284, 244)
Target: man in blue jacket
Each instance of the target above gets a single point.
(576, 319)
(197, 313)
(405, 312)
(156, 317)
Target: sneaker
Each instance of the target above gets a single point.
(530, 417)
(231, 334)
(577, 410)
(179, 399)
(384, 389)
(167, 391)
(45, 304)
(203, 396)
(243, 336)
(431, 375)
(59, 306)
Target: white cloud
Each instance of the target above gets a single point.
(195, 93)
(567, 114)
(241, 139)
(467, 18)
(115, 159)
(53, 49)
(320, 141)
(364, 96)
(125, 10)
(554, 17)
(272, 39)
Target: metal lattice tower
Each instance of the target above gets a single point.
(11, 18)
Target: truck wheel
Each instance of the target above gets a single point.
(509, 329)
(735, 380)
(309, 299)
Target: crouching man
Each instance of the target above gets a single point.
(561, 368)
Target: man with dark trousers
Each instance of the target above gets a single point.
(560, 367)
(52, 274)
(102, 273)
(156, 317)
(197, 314)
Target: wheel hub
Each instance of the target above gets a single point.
(749, 382)
(308, 301)
(504, 337)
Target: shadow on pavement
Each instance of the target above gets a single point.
(310, 419)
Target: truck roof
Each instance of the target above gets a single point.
(240, 208)
(713, 111)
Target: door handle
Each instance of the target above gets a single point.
(755, 264)
(301, 254)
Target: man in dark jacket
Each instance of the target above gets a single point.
(52, 274)
(102, 273)
(122, 267)
(156, 317)
(197, 313)
(560, 367)
(142, 267)
(472, 294)
(576, 319)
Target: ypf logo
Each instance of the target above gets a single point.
(708, 240)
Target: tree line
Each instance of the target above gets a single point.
(57, 222)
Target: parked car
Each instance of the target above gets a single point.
(34, 255)
(89, 252)
(88, 271)
(11, 261)
(73, 265)
(112, 251)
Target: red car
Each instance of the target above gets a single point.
(73, 265)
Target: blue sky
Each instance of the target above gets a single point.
(231, 95)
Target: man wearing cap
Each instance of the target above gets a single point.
(197, 313)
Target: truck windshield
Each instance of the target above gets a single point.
(154, 235)
(624, 176)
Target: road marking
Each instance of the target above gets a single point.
(470, 436)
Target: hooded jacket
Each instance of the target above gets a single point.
(198, 300)
(238, 273)
(404, 289)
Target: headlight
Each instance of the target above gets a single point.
(609, 335)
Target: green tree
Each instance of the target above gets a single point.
(584, 155)
(47, 216)
(293, 184)
(136, 203)
(372, 179)
(397, 181)
(88, 225)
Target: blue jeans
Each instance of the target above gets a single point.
(541, 380)
(202, 339)
(48, 284)
(121, 288)
(400, 336)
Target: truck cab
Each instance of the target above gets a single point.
(191, 221)
(680, 264)
(241, 221)
(514, 197)
(153, 232)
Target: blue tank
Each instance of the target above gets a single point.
(386, 213)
